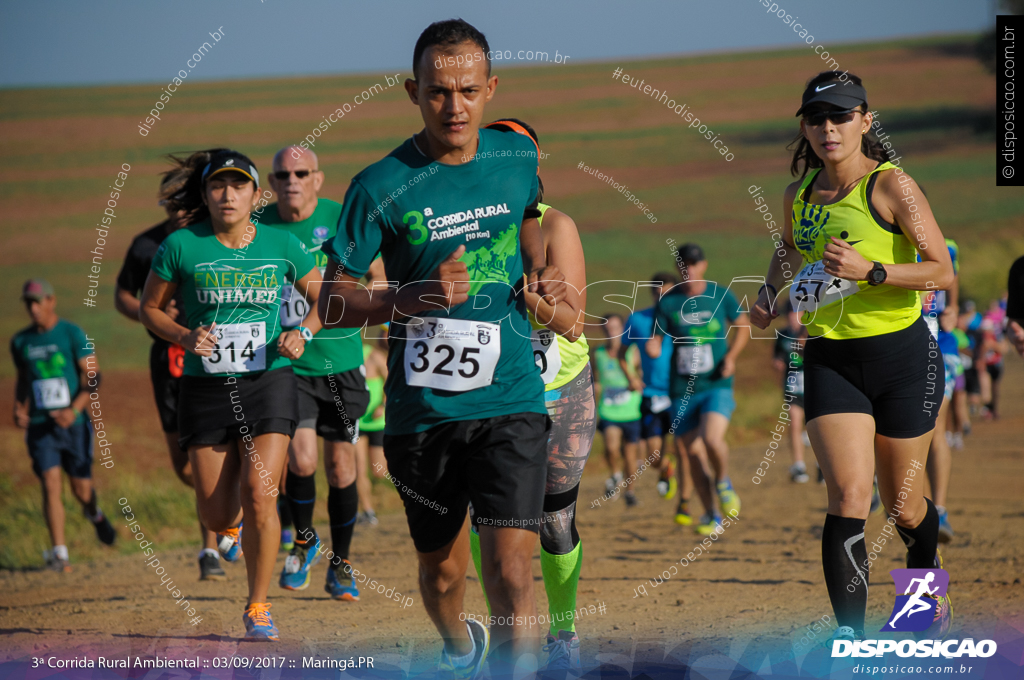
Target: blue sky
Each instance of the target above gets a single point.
(60, 42)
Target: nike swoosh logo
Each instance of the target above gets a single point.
(819, 88)
(316, 248)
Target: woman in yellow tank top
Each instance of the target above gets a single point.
(562, 356)
(873, 377)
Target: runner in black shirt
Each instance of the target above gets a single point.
(165, 358)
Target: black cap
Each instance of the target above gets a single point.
(226, 161)
(691, 253)
(844, 95)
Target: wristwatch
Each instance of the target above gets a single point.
(877, 275)
(306, 334)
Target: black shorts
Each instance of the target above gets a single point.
(971, 382)
(165, 386)
(216, 410)
(897, 378)
(499, 464)
(333, 404)
(375, 438)
(655, 424)
(995, 371)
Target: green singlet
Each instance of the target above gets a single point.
(618, 404)
(333, 350)
(376, 388)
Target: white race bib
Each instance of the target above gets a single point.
(240, 348)
(294, 307)
(51, 393)
(813, 288)
(456, 355)
(694, 359)
(546, 354)
(795, 382)
(660, 402)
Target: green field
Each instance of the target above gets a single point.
(64, 147)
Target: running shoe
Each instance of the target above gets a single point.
(229, 543)
(611, 483)
(209, 567)
(481, 645)
(958, 439)
(368, 517)
(798, 473)
(683, 517)
(54, 563)
(876, 500)
(563, 652)
(631, 501)
(287, 540)
(258, 624)
(304, 555)
(708, 524)
(727, 498)
(340, 583)
(104, 531)
(945, 529)
(842, 633)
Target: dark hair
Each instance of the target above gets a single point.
(445, 34)
(663, 278)
(184, 189)
(804, 153)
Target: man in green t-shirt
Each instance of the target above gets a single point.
(448, 211)
(698, 315)
(57, 377)
(332, 389)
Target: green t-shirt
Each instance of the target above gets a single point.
(475, 360)
(375, 386)
(698, 325)
(238, 288)
(333, 350)
(49, 361)
(619, 404)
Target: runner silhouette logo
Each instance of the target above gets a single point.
(917, 591)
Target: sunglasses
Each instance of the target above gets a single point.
(283, 174)
(818, 118)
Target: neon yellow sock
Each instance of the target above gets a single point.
(474, 549)
(561, 578)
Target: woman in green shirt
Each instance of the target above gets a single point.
(238, 395)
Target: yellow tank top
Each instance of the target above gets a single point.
(572, 357)
(869, 310)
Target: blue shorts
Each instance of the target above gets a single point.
(630, 430)
(71, 448)
(687, 410)
(655, 424)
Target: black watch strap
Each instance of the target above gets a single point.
(877, 275)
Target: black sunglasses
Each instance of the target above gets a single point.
(283, 174)
(818, 118)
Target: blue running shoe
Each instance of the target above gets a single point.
(945, 529)
(340, 584)
(563, 652)
(295, 575)
(709, 524)
(229, 543)
(727, 498)
(258, 624)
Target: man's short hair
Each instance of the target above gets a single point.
(663, 278)
(446, 34)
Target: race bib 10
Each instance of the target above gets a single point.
(455, 355)
(546, 354)
(240, 348)
(294, 307)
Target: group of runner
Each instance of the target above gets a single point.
(492, 398)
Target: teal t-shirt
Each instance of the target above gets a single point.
(49, 361)
(475, 360)
(619, 404)
(698, 325)
(238, 288)
(333, 350)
